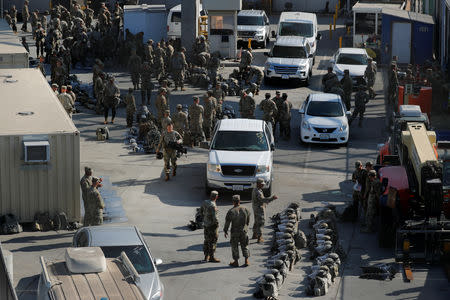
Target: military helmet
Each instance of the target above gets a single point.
(373, 173)
(283, 256)
(274, 272)
(329, 261)
(358, 164)
(253, 85)
(290, 253)
(179, 106)
(269, 277)
(278, 263)
(333, 256)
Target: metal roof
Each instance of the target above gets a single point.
(241, 125)
(26, 90)
(296, 41)
(9, 42)
(374, 7)
(413, 16)
(251, 13)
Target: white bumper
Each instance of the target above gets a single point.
(216, 180)
(313, 136)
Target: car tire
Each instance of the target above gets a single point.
(307, 81)
(314, 60)
(267, 81)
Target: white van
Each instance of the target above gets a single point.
(174, 21)
(293, 23)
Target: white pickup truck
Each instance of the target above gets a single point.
(241, 151)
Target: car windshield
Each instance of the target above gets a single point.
(288, 52)
(240, 141)
(246, 20)
(325, 109)
(296, 29)
(176, 16)
(138, 256)
(352, 59)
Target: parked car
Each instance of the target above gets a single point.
(113, 240)
(253, 24)
(324, 119)
(240, 152)
(290, 58)
(353, 59)
(294, 23)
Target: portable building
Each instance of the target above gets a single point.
(12, 52)
(150, 19)
(39, 149)
(408, 35)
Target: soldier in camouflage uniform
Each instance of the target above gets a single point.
(347, 87)
(134, 67)
(112, 93)
(148, 51)
(361, 98)
(239, 218)
(246, 60)
(196, 112)
(279, 103)
(158, 62)
(284, 115)
(369, 74)
(25, 16)
(209, 114)
(99, 91)
(213, 67)
(254, 72)
(372, 200)
(66, 101)
(393, 86)
(170, 156)
(180, 121)
(179, 66)
(86, 183)
(357, 179)
(269, 109)
(247, 106)
(166, 120)
(40, 39)
(94, 214)
(209, 212)
(146, 83)
(131, 107)
(161, 105)
(219, 94)
(259, 202)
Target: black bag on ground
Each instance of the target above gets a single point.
(10, 224)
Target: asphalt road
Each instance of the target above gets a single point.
(308, 174)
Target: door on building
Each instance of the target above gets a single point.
(401, 41)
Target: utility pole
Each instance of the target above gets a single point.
(189, 23)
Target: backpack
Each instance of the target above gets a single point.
(60, 222)
(10, 224)
(102, 133)
(42, 222)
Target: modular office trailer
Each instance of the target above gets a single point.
(12, 52)
(149, 19)
(39, 149)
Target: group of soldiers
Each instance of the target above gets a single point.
(366, 192)
(92, 200)
(239, 219)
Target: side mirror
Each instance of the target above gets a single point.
(301, 111)
(310, 56)
(266, 53)
(319, 37)
(272, 147)
(273, 34)
(158, 261)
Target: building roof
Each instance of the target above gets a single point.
(251, 13)
(9, 42)
(26, 90)
(413, 16)
(241, 125)
(374, 7)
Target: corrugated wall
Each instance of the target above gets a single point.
(26, 189)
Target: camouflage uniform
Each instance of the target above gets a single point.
(85, 183)
(148, 51)
(239, 218)
(247, 107)
(161, 106)
(393, 88)
(285, 119)
(134, 66)
(213, 67)
(257, 73)
(209, 115)
(347, 87)
(39, 34)
(361, 98)
(259, 202)
(158, 63)
(219, 94)
(180, 122)
(357, 179)
(66, 102)
(179, 66)
(25, 16)
(165, 121)
(99, 90)
(372, 202)
(146, 83)
(169, 153)
(269, 109)
(279, 103)
(209, 212)
(196, 112)
(370, 74)
(94, 214)
(246, 60)
(131, 108)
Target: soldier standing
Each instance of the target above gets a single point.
(259, 202)
(180, 121)
(247, 106)
(347, 87)
(40, 39)
(148, 51)
(279, 103)
(13, 14)
(269, 109)
(370, 74)
(95, 205)
(213, 67)
(196, 112)
(329, 75)
(112, 93)
(146, 83)
(66, 101)
(99, 91)
(168, 136)
(72, 94)
(357, 180)
(158, 62)
(372, 200)
(179, 66)
(361, 98)
(209, 114)
(285, 117)
(59, 74)
(134, 67)
(239, 218)
(161, 105)
(89, 16)
(209, 212)
(246, 60)
(34, 19)
(393, 86)
(25, 16)
(166, 120)
(131, 107)
(219, 94)
(86, 183)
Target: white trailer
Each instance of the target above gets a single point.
(12, 52)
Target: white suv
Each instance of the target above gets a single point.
(253, 24)
(290, 58)
(240, 152)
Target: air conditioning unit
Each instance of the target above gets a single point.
(36, 151)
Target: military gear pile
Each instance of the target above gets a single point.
(9, 224)
(326, 252)
(379, 271)
(143, 140)
(287, 239)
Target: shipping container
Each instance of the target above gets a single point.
(12, 52)
(150, 19)
(39, 149)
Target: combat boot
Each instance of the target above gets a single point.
(213, 259)
(260, 239)
(234, 264)
(167, 177)
(206, 258)
(247, 263)
(174, 171)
